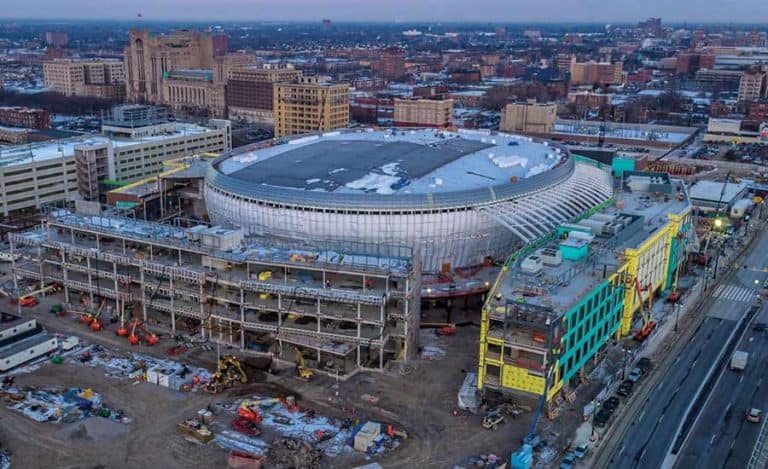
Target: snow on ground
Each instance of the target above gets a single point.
(538, 169)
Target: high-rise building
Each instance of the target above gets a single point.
(391, 63)
(310, 104)
(601, 73)
(193, 90)
(102, 78)
(416, 112)
(528, 117)
(149, 57)
(250, 92)
(56, 38)
(752, 85)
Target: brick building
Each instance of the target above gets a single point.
(417, 112)
(29, 118)
(250, 92)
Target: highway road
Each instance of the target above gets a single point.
(647, 440)
(721, 437)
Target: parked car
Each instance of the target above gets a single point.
(581, 450)
(625, 388)
(568, 461)
(635, 375)
(611, 403)
(644, 364)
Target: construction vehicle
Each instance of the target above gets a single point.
(249, 410)
(245, 426)
(133, 339)
(196, 430)
(229, 373)
(648, 323)
(492, 419)
(122, 329)
(302, 371)
(28, 299)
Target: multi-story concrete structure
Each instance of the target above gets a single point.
(601, 73)
(250, 92)
(724, 79)
(102, 78)
(528, 117)
(29, 118)
(310, 104)
(563, 298)
(416, 112)
(345, 312)
(148, 58)
(133, 145)
(752, 85)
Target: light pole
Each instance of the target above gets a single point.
(595, 406)
(678, 307)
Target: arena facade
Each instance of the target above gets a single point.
(458, 198)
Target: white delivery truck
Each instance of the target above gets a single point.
(739, 360)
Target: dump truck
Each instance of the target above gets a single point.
(739, 360)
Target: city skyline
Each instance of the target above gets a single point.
(743, 11)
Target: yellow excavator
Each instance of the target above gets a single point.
(229, 374)
(302, 371)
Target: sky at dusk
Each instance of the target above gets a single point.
(394, 10)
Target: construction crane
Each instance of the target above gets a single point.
(648, 323)
(302, 371)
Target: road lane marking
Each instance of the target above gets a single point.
(712, 440)
(741, 379)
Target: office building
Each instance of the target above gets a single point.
(528, 117)
(191, 90)
(250, 92)
(310, 104)
(391, 64)
(56, 38)
(149, 57)
(102, 78)
(417, 112)
(752, 85)
(601, 73)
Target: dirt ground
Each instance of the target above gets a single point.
(420, 402)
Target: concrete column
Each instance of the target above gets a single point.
(202, 309)
(242, 317)
(65, 276)
(90, 281)
(173, 308)
(143, 295)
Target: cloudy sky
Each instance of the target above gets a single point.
(395, 10)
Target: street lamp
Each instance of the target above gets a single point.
(718, 223)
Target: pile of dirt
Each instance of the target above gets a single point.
(92, 429)
(291, 453)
